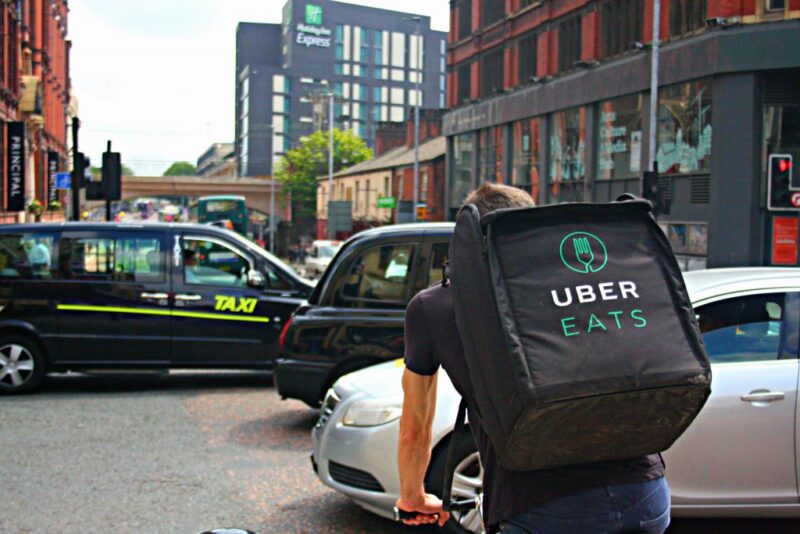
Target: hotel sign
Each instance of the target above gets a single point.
(15, 163)
(312, 33)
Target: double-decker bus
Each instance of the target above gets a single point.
(221, 209)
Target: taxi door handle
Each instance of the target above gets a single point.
(763, 396)
(155, 296)
(188, 297)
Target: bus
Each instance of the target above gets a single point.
(220, 209)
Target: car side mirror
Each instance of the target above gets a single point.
(256, 280)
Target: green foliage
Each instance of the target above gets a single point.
(181, 168)
(300, 168)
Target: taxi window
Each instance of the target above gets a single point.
(379, 277)
(113, 259)
(439, 253)
(207, 262)
(27, 256)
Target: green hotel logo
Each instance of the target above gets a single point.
(313, 15)
(583, 252)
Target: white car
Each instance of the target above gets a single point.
(739, 457)
(320, 256)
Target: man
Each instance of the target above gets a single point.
(190, 266)
(615, 496)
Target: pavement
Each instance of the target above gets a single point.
(182, 453)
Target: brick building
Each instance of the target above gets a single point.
(553, 97)
(34, 102)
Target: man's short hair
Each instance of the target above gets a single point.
(490, 197)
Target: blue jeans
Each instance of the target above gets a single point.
(637, 507)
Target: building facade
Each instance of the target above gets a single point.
(34, 102)
(553, 97)
(378, 63)
(217, 161)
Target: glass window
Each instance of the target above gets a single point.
(379, 277)
(743, 329)
(528, 53)
(684, 128)
(567, 168)
(27, 256)
(439, 254)
(619, 146)
(113, 259)
(525, 156)
(397, 95)
(461, 179)
(397, 114)
(686, 16)
(621, 23)
(492, 72)
(398, 49)
(464, 8)
(211, 263)
(491, 155)
(569, 43)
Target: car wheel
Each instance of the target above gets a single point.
(22, 365)
(467, 483)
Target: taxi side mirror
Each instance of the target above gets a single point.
(256, 279)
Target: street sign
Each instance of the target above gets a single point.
(422, 213)
(387, 202)
(63, 180)
(796, 200)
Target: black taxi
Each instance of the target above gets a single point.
(355, 316)
(94, 296)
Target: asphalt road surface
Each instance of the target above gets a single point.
(181, 453)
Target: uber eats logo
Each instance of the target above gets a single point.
(583, 252)
(612, 302)
(313, 15)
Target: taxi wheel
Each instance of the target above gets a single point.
(22, 365)
(467, 483)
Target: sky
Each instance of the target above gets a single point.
(156, 77)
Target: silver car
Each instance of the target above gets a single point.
(739, 457)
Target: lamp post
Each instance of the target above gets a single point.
(418, 54)
(651, 152)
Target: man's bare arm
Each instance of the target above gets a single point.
(414, 448)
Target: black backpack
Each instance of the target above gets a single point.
(580, 339)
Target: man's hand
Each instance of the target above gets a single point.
(429, 508)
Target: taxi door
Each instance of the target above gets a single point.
(218, 320)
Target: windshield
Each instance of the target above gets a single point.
(327, 252)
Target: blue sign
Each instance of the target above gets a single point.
(63, 180)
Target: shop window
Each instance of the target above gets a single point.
(621, 24)
(567, 166)
(490, 157)
(684, 128)
(492, 11)
(461, 178)
(528, 52)
(464, 8)
(689, 242)
(525, 155)
(775, 5)
(492, 72)
(686, 16)
(619, 143)
(569, 43)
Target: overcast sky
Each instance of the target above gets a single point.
(157, 77)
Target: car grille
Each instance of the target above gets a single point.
(353, 477)
(328, 406)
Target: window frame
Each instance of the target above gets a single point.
(68, 235)
(335, 293)
(218, 241)
(790, 321)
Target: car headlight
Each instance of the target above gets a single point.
(373, 412)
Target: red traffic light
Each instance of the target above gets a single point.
(784, 165)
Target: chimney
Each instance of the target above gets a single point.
(430, 125)
(389, 135)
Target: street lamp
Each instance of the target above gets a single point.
(418, 99)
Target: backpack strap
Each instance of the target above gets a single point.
(449, 465)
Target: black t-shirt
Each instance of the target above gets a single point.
(431, 340)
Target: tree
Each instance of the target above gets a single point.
(181, 168)
(300, 168)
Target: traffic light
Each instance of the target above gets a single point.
(112, 173)
(783, 193)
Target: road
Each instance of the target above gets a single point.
(180, 453)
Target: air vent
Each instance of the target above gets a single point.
(700, 190)
(353, 477)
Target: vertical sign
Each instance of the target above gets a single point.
(52, 169)
(15, 156)
(784, 240)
